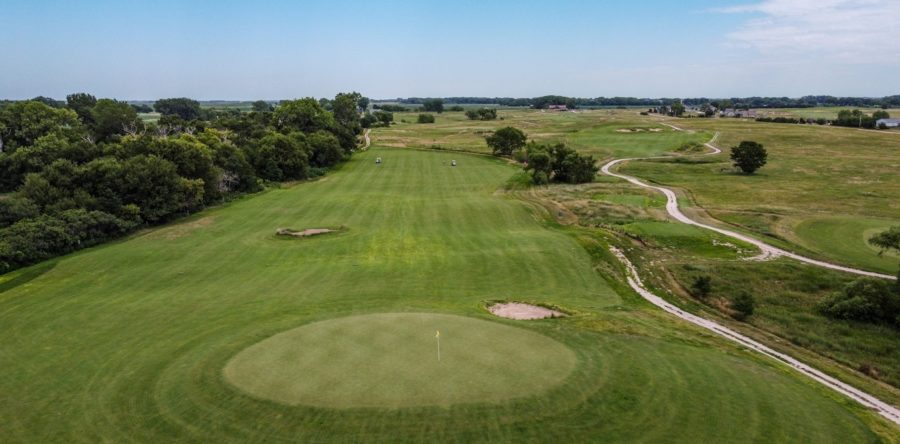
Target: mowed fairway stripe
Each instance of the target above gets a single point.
(128, 341)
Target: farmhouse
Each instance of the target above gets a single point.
(887, 123)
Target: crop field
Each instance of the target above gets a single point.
(185, 332)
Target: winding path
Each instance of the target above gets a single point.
(884, 409)
(766, 251)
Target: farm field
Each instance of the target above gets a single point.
(134, 340)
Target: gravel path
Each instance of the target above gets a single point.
(884, 409)
(766, 251)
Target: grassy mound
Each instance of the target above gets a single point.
(391, 360)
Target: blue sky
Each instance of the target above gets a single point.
(283, 49)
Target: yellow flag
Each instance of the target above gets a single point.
(437, 333)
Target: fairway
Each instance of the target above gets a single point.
(393, 360)
(166, 336)
(847, 237)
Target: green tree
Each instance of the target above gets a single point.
(154, 186)
(363, 103)
(678, 108)
(279, 157)
(82, 103)
(24, 122)
(111, 117)
(433, 105)
(743, 304)
(887, 240)
(261, 106)
(865, 299)
(384, 117)
(881, 114)
(702, 286)
(345, 107)
(506, 140)
(185, 108)
(305, 115)
(749, 156)
(425, 118)
(324, 149)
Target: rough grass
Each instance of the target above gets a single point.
(590, 131)
(813, 172)
(128, 341)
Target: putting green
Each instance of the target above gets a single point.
(391, 360)
(846, 239)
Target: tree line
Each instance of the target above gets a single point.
(732, 102)
(91, 170)
(849, 118)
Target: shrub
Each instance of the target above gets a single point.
(426, 118)
(702, 286)
(482, 114)
(866, 300)
(743, 305)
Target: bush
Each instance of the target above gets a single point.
(743, 305)
(866, 300)
(702, 286)
(482, 114)
(426, 118)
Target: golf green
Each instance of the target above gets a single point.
(394, 360)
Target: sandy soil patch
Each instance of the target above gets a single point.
(522, 312)
(303, 233)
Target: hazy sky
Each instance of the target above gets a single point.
(284, 49)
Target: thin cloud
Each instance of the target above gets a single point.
(850, 31)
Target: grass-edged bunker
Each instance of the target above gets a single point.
(391, 360)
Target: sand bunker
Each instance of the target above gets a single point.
(304, 233)
(638, 130)
(522, 312)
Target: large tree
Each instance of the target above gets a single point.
(506, 140)
(22, 123)
(887, 240)
(749, 156)
(305, 115)
(111, 117)
(187, 109)
(433, 105)
(261, 106)
(82, 103)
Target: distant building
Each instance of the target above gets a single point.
(557, 107)
(731, 112)
(887, 123)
